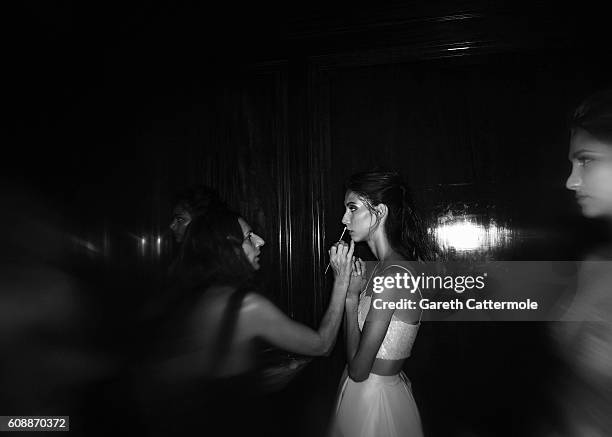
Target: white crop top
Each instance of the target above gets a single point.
(400, 335)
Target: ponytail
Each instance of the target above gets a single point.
(414, 238)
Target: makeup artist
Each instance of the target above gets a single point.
(205, 361)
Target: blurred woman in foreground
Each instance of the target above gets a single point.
(585, 336)
(207, 362)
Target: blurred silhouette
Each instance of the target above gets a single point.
(584, 336)
(49, 326)
(190, 203)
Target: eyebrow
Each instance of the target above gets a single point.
(350, 203)
(581, 151)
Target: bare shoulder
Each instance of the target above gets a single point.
(252, 302)
(397, 294)
(256, 305)
(400, 268)
(255, 302)
(262, 316)
(256, 311)
(392, 279)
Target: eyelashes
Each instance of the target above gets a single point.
(584, 160)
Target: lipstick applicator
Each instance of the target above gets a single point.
(339, 239)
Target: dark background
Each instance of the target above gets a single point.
(113, 108)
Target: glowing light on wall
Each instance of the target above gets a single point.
(465, 234)
(143, 242)
(150, 245)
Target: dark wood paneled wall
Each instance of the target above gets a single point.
(483, 127)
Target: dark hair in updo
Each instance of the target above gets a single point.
(403, 226)
(594, 115)
(212, 252)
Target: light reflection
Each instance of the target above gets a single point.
(465, 234)
(143, 242)
(89, 246)
(150, 246)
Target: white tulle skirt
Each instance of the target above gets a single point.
(380, 406)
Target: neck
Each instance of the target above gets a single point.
(380, 246)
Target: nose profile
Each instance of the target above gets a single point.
(574, 180)
(345, 221)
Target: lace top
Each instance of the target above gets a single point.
(400, 335)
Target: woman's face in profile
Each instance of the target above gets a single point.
(357, 218)
(180, 220)
(591, 176)
(251, 243)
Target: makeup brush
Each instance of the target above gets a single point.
(329, 263)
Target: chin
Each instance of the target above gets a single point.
(591, 212)
(358, 238)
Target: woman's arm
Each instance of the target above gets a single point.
(267, 321)
(362, 346)
(351, 325)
